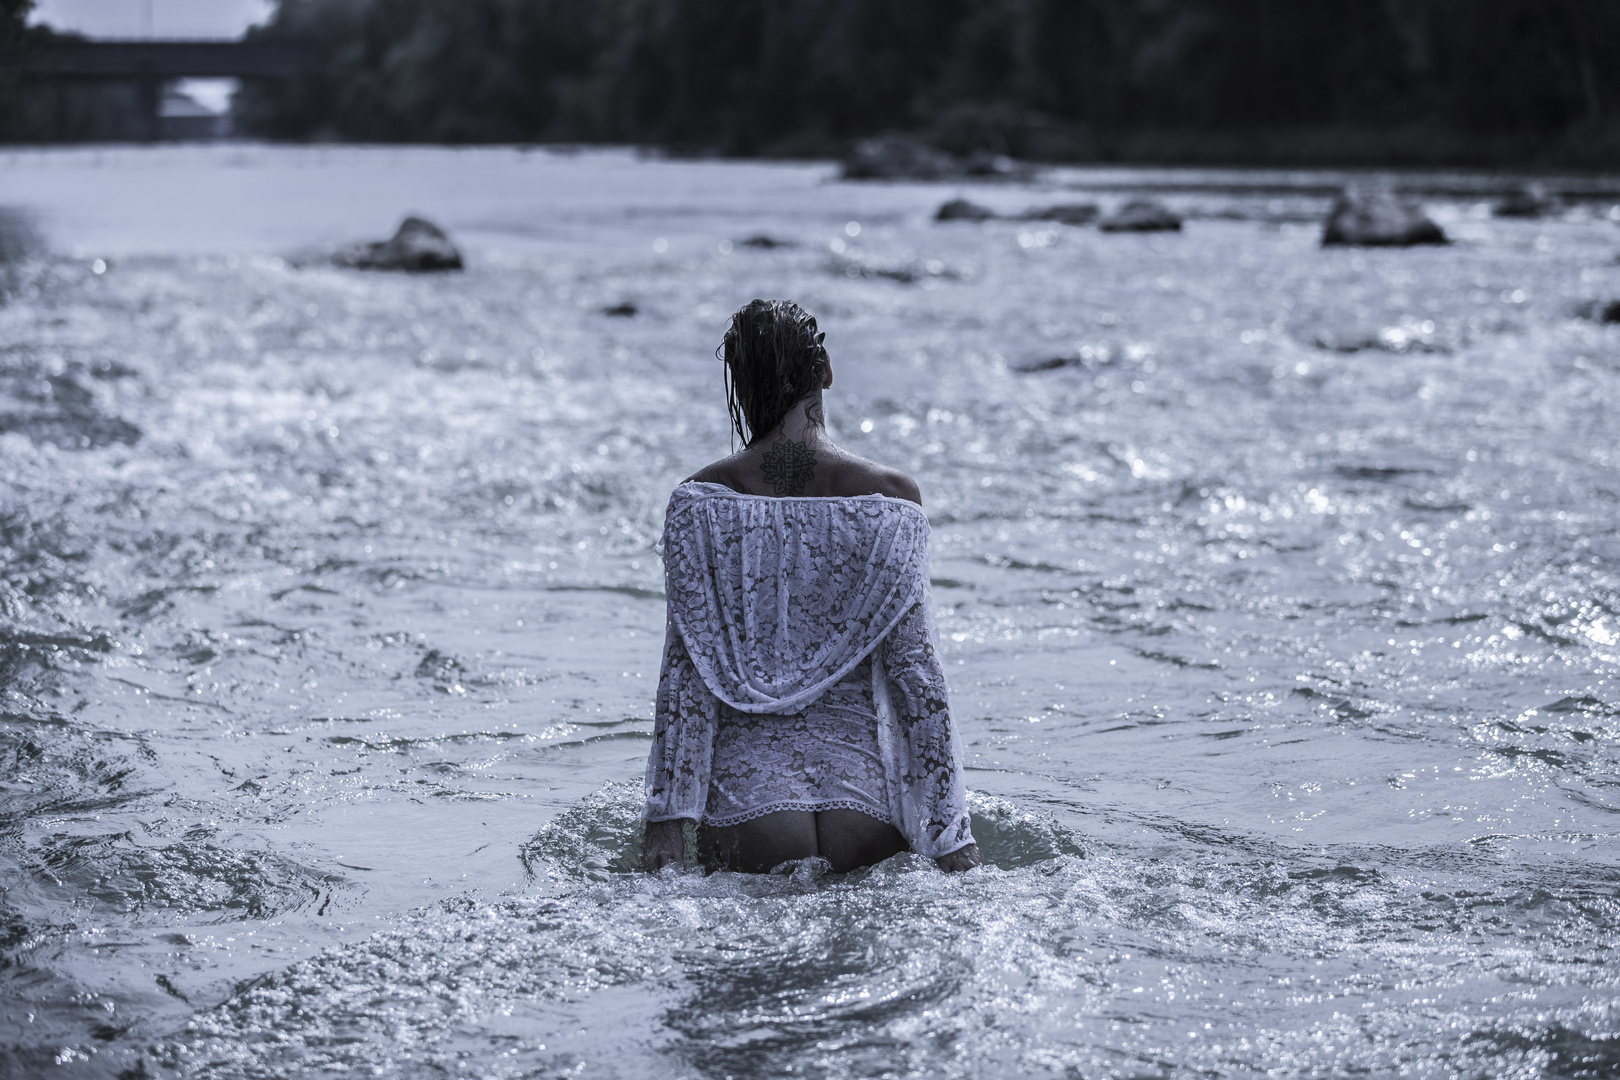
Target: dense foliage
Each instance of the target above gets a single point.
(13, 20)
(35, 110)
(1416, 80)
(1039, 78)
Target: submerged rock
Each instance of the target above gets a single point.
(1141, 215)
(1065, 213)
(1378, 218)
(1089, 357)
(765, 243)
(19, 235)
(71, 429)
(1045, 363)
(418, 245)
(906, 271)
(1603, 311)
(989, 166)
(900, 157)
(1526, 201)
(625, 310)
(1411, 336)
(963, 210)
(897, 156)
(19, 239)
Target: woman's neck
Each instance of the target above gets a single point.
(804, 423)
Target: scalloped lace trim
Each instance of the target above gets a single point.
(810, 805)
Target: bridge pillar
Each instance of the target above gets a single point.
(149, 103)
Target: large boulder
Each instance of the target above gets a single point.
(1377, 217)
(900, 157)
(963, 210)
(1141, 215)
(418, 245)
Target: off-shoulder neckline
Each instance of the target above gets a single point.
(721, 490)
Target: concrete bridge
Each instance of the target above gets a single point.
(150, 63)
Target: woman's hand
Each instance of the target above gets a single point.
(959, 860)
(663, 844)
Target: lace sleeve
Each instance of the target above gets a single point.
(930, 751)
(683, 738)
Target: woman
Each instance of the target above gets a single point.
(801, 709)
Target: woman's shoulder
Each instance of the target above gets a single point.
(865, 477)
(726, 472)
(845, 476)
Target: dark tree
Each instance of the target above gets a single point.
(1418, 80)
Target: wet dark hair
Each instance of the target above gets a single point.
(774, 359)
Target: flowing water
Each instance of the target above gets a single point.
(1279, 590)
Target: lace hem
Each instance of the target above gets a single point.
(808, 805)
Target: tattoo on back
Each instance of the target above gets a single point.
(788, 466)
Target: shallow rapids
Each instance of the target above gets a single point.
(1279, 590)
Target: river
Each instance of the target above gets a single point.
(1279, 591)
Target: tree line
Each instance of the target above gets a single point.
(36, 111)
(1420, 81)
(1052, 79)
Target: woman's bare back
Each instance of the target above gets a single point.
(800, 460)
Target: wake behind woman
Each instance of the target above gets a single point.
(802, 710)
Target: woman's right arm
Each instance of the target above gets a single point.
(664, 843)
(678, 764)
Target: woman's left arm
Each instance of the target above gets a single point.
(933, 780)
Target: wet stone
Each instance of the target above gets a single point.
(900, 157)
(1045, 363)
(1527, 201)
(1141, 215)
(1603, 311)
(19, 236)
(1378, 218)
(71, 430)
(963, 210)
(1065, 213)
(418, 245)
(984, 165)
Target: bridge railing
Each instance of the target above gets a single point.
(177, 59)
(149, 64)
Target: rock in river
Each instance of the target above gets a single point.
(1603, 311)
(1526, 201)
(988, 166)
(1141, 215)
(900, 157)
(963, 210)
(1065, 213)
(1377, 217)
(418, 245)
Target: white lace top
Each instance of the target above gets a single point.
(800, 666)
